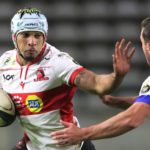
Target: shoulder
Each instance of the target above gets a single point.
(52, 49)
(145, 88)
(7, 57)
(55, 54)
(51, 52)
(8, 54)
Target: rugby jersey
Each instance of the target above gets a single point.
(42, 93)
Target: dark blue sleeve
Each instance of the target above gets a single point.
(144, 99)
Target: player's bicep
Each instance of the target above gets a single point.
(140, 111)
(145, 101)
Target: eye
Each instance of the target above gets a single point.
(38, 35)
(25, 34)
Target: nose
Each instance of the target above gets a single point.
(31, 41)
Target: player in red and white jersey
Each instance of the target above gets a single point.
(42, 80)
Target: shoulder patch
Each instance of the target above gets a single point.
(145, 88)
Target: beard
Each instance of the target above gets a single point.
(29, 55)
(29, 58)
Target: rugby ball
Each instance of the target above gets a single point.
(7, 109)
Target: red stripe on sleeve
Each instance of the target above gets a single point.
(74, 74)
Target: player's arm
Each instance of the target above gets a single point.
(103, 84)
(118, 102)
(119, 124)
(115, 126)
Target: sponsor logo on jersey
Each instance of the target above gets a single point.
(8, 77)
(145, 88)
(34, 103)
(10, 60)
(7, 60)
(40, 75)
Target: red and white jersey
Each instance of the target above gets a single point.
(42, 93)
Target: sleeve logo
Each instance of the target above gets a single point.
(145, 88)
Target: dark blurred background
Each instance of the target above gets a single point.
(88, 30)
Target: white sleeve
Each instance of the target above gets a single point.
(65, 66)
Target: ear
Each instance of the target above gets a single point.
(14, 40)
(148, 47)
(46, 37)
(13, 37)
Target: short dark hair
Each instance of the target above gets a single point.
(145, 25)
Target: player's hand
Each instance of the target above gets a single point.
(106, 99)
(70, 135)
(122, 102)
(111, 101)
(122, 57)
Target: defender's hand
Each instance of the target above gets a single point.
(70, 135)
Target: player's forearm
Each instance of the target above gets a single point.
(108, 83)
(119, 124)
(99, 84)
(110, 128)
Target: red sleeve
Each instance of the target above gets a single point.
(74, 74)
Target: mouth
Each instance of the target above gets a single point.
(30, 51)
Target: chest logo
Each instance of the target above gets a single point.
(40, 75)
(34, 103)
(8, 77)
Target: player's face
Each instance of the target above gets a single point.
(30, 44)
(145, 47)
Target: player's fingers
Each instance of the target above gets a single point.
(66, 124)
(114, 58)
(127, 48)
(62, 141)
(116, 48)
(121, 45)
(57, 133)
(131, 52)
(59, 137)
